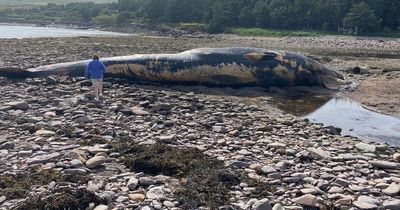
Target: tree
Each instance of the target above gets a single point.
(123, 17)
(361, 18)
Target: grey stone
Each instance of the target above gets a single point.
(156, 193)
(342, 182)
(161, 107)
(276, 145)
(384, 164)
(167, 139)
(319, 153)
(335, 189)
(365, 147)
(2, 199)
(307, 200)
(43, 158)
(95, 161)
(7, 145)
(262, 204)
(268, 170)
(219, 129)
(364, 205)
(168, 204)
(311, 191)
(278, 206)
(146, 181)
(396, 157)
(132, 183)
(389, 204)
(347, 157)
(21, 105)
(44, 133)
(146, 208)
(139, 111)
(75, 171)
(106, 197)
(393, 189)
(291, 179)
(75, 163)
(84, 119)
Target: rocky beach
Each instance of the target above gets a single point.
(151, 146)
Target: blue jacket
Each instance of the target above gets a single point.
(95, 70)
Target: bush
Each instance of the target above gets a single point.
(108, 20)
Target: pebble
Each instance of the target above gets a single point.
(45, 133)
(2, 199)
(21, 105)
(385, 164)
(137, 197)
(101, 207)
(389, 204)
(95, 161)
(262, 204)
(146, 181)
(393, 189)
(396, 157)
(156, 193)
(307, 200)
(132, 183)
(278, 206)
(365, 147)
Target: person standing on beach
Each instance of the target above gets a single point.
(95, 71)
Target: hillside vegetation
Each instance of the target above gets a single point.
(332, 16)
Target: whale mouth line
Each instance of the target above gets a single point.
(331, 79)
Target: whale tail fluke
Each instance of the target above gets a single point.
(13, 72)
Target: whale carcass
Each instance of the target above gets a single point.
(205, 66)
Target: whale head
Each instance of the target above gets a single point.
(299, 68)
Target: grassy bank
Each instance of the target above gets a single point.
(282, 33)
(273, 32)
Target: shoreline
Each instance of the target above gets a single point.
(53, 123)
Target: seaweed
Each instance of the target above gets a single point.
(207, 180)
(15, 186)
(61, 199)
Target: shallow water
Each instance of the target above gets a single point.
(350, 116)
(9, 31)
(357, 121)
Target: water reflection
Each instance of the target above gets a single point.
(358, 121)
(26, 31)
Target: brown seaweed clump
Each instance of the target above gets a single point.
(61, 199)
(207, 181)
(15, 186)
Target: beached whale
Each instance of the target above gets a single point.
(232, 67)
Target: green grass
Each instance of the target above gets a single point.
(273, 32)
(282, 33)
(394, 34)
(191, 26)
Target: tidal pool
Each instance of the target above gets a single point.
(355, 120)
(350, 116)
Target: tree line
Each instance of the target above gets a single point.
(322, 15)
(348, 16)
